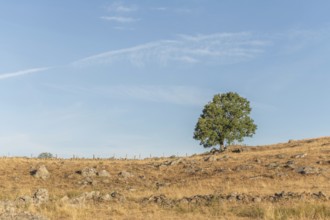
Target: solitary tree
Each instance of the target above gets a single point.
(45, 155)
(225, 119)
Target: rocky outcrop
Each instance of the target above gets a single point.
(103, 173)
(94, 196)
(40, 196)
(234, 197)
(9, 210)
(87, 172)
(21, 216)
(125, 174)
(41, 172)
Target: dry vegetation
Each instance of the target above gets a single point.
(229, 185)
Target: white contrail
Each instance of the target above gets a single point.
(22, 72)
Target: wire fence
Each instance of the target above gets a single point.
(98, 157)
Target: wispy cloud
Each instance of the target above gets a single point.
(119, 19)
(121, 8)
(221, 48)
(22, 72)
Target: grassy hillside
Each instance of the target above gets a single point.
(281, 181)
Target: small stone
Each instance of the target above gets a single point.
(256, 199)
(21, 216)
(272, 165)
(118, 196)
(280, 156)
(41, 173)
(210, 158)
(87, 181)
(103, 173)
(125, 174)
(175, 162)
(307, 170)
(302, 155)
(105, 197)
(88, 172)
(40, 196)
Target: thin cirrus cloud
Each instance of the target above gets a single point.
(220, 48)
(119, 19)
(121, 8)
(22, 72)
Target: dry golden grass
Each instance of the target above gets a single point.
(245, 172)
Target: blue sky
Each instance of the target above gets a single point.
(132, 77)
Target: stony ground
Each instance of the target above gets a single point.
(282, 181)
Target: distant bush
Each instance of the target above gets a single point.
(45, 155)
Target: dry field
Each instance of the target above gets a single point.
(282, 181)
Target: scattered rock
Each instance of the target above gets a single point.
(290, 164)
(272, 165)
(95, 196)
(118, 196)
(91, 195)
(41, 172)
(7, 207)
(40, 196)
(308, 170)
(256, 199)
(221, 170)
(21, 216)
(103, 173)
(105, 198)
(234, 197)
(210, 158)
(125, 174)
(87, 181)
(160, 185)
(179, 161)
(192, 170)
(280, 156)
(162, 167)
(158, 199)
(301, 155)
(243, 167)
(321, 195)
(257, 160)
(88, 172)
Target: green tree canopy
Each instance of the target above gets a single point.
(225, 119)
(45, 155)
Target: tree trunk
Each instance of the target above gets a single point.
(222, 146)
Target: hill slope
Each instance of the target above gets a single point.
(282, 181)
